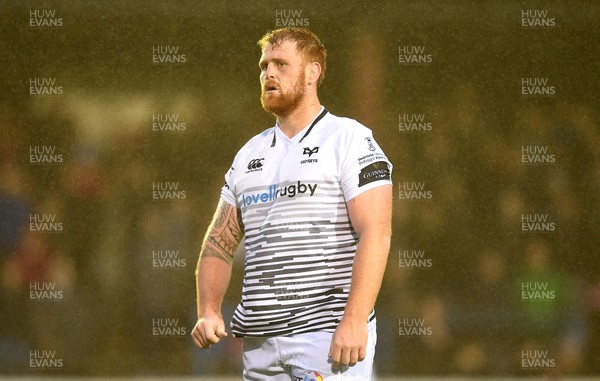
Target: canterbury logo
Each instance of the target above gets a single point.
(309, 152)
(255, 164)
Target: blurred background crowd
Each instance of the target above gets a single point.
(101, 191)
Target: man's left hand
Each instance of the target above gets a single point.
(349, 342)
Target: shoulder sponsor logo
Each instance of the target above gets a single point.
(308, 151)
(363, 160)
(370, 144)
(374, 172)
(275, 191)
(255, 165)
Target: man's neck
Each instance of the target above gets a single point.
(299, 118)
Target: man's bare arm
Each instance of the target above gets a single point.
(223, 235)
(371, 216)
(213, 273)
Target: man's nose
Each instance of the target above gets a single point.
(270, 71)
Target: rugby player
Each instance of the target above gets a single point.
(311, 197)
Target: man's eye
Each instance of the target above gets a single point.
(280, 64)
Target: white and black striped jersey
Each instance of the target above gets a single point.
(299, 241)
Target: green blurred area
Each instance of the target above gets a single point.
(470, 229)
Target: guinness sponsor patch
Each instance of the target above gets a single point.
(374, 172)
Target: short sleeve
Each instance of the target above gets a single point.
(365, 165)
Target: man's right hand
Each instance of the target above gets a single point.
(209, 330)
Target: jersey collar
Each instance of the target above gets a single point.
(314, 122)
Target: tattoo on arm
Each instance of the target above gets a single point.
(224, 235)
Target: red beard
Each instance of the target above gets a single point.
(284, 102)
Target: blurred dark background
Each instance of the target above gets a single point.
(111, 297)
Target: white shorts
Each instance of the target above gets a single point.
(302, 357)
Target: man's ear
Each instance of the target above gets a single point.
(313, 70)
